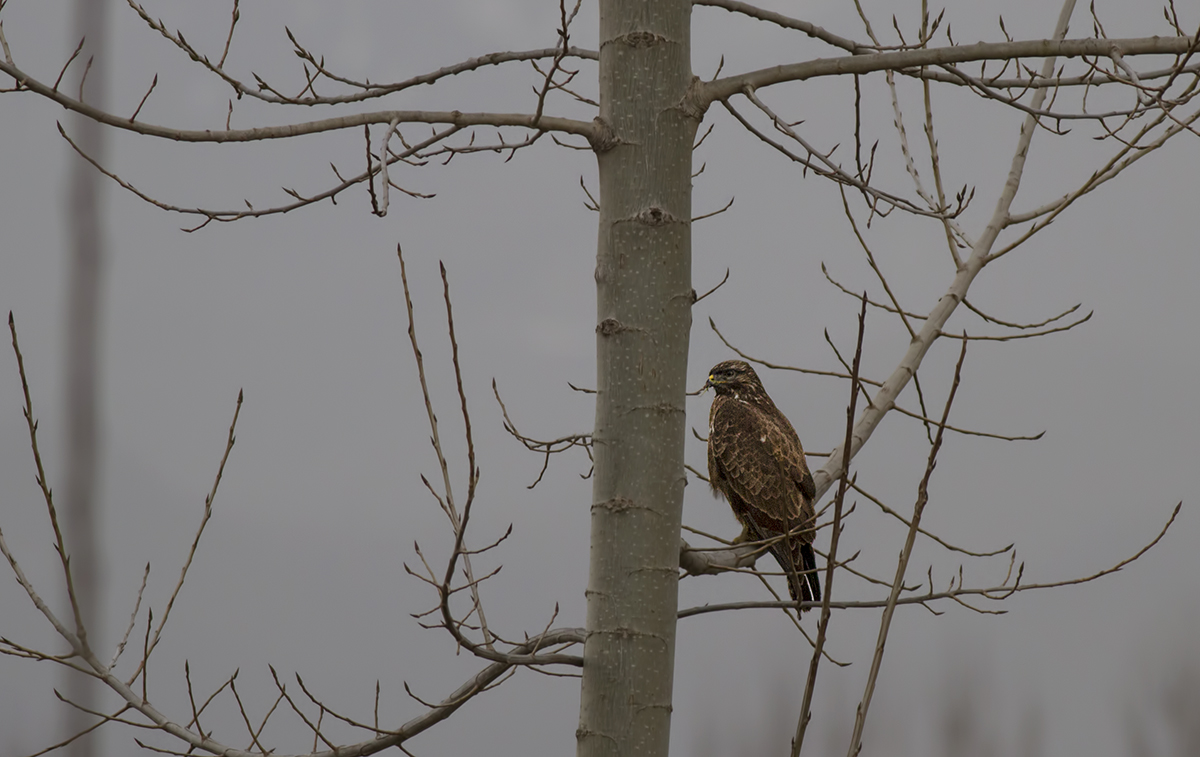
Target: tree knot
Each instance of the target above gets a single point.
(694, 104)
(655, 216)
(610, 326)
(640, 40)
(617, 505)
(602, 137)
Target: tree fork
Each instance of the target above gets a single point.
(643, 304)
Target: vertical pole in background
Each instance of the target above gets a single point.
(85, 243)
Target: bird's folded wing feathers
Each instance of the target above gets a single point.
(753, 452)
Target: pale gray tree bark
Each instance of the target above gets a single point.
(643, 316)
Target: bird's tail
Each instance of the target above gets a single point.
(803, 583)
(808, 561)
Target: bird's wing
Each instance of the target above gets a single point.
(756, 458)
(791, 452)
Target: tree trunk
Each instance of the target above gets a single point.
(644, 297)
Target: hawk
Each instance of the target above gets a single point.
(756, 461)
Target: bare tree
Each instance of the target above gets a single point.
(647, 107)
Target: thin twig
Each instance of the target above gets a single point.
(459, 520)
(779, 367)
(132, 618)
(843, 483)
(720, 284)
(208, 510)
(728, 205)
(146, 97)
(902, 565)
(874, 266)
(994, 593)
(930, 534)
(77, 639)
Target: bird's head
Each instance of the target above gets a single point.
(733, 376)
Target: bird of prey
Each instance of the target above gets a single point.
(756, 461)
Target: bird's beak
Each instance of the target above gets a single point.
(710, 383)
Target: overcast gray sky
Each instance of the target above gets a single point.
(301, 566)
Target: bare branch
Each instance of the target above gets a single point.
(208, 509)
(352, 120)
(968, 432)
(822, 166)
(843, 483)
(1094, 78)
(459, 520)
(1029, 335)
(547, 447)
(73, 738)
(995, 593)
(874, 267)
(922, 531)
(367, 90)
(728, 205)
(7, 51)
(132, 618)
(78, 638)
(63, 71)
(778, 367)
(146, 97)
(564, 39)
(592, 203)
(1130, 153)
(245, 717)
(812, 30)
(965, 274)
(951, 228)
(229, 38)
(872, 303)
(720, 283)
(386, 183)
(967, 304)
(714, 91)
